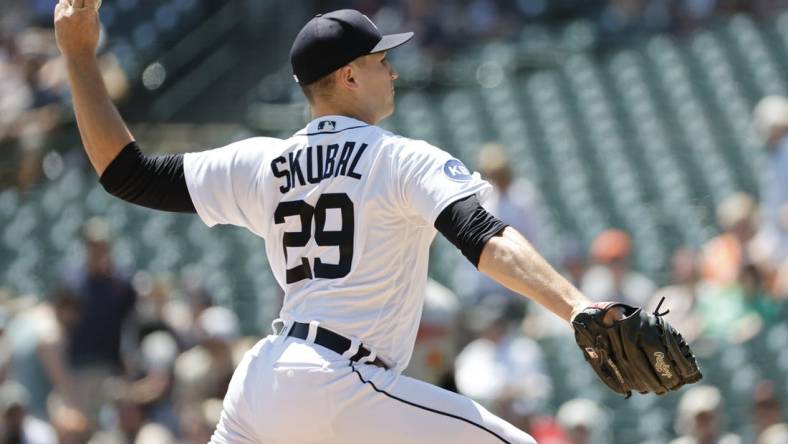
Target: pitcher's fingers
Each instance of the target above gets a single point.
(79, 4)
(59, 8)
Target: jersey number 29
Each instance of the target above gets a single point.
(342, 238)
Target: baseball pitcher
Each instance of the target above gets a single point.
(348, 211)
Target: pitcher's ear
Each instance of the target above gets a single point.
(346, 76)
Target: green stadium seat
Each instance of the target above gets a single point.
(16, 233)
(579, 35)
(419, 122)
(756, 56)
(67, 229)
(536, 40)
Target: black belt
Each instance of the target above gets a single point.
(332, 341)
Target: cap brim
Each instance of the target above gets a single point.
(391, 41)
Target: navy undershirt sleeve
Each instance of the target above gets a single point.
(156, 182)
(467, 225)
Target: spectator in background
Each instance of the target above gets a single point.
(107, 301)
(766, 9)
(583, 421)
(767, 414)
(153, 306)
(153, 433)
(634, 16)
(427, 18)
(739, 311)
(481, 17)
(125, 416)
(681, 296)
(16, 98)
(690, 14)
(699, 418)
(29, 12)
(70, 425)
(619, 16)
(756, 296)
(158, 308)
(33, 88)
(162, 328)
(490, 18)
(131, 428)
(16, 95)
(611, 278)
(770, 119)
(204, 371)
(724, 256)
(199, 419)
(38, 338)
(573, 260)
(6, 310)
(502, 369)
(776, 434)
(17, 426)
(437, 338)
(30, 107)
(151, 389)
(512, 199)
(540, 322)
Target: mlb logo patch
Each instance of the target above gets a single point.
(326, 125)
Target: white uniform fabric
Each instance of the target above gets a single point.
(288, 391)
(397, 187)
(347, 212)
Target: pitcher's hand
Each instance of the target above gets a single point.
(77, 28)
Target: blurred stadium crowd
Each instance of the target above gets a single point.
(122, 326)
(442, 27)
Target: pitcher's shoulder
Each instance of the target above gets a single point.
(406, 145)
(258, 149)
(256, 145)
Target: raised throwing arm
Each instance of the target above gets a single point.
(103, 131)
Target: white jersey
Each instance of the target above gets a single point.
(347, 212)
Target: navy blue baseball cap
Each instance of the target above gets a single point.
(332, 40)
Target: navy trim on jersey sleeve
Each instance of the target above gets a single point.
(153, 182)
(468, 226)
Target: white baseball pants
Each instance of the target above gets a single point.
(289, 391)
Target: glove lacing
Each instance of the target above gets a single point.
(685, 350)
(656, 311)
